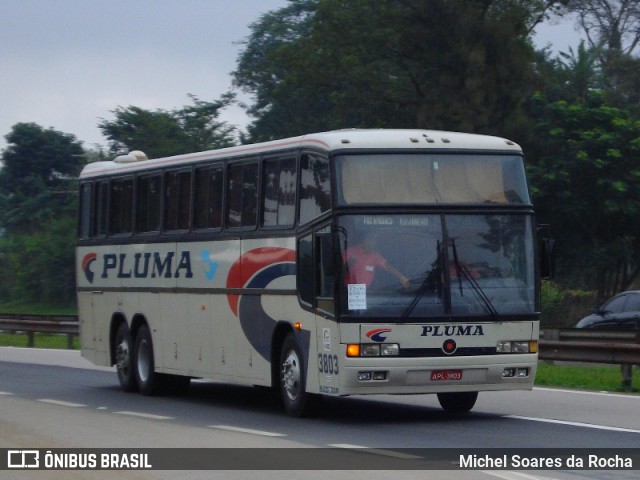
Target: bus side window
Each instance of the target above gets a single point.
(305, 270)
(242, 195)
(177, 200)
(148, 198)
(315, 186)
(101, 209)
(121, 206)
(315, 270)
(84, 228)
(279, 202)
(208, 198)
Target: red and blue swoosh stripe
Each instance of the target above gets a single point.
(256, 269)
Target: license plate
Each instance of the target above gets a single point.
(438, 375)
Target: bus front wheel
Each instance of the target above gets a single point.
(457, 402)
(149, 382)
(292, 378)
(124, 359)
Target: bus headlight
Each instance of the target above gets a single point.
(370, 350)
(513, 346)
(390, 349)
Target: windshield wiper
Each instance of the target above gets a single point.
(462, 269)
(434, 276)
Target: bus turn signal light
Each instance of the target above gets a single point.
(353, 350)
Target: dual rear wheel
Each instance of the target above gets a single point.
(135, 364)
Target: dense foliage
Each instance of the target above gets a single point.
(159, 133)
(445, 64)
(37, 214)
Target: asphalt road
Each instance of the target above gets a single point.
(55, 399)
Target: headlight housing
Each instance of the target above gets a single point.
(517, 346)
(373, 350)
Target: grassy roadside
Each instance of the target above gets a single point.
(601, 378)
(40, 340)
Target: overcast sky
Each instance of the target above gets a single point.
(67, 63)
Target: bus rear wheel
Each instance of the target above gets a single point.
(148, 380)
(457, 402)
(292, 378)
(124, 359)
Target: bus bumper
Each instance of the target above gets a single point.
(403, 376)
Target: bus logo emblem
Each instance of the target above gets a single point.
(88, 259)
(377, 335)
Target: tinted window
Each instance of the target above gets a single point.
(305, 269)
(242, 195)
(315, 186)
(177, 200)
(85, 210)
(148, 198)
(616, 305)
(633, 303)
(121, 206)
(279, 192)
(208, 198)
(100, 208)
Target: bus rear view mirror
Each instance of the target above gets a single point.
(547, 256)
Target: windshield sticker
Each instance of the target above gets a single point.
(357, 296)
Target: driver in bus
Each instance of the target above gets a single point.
(361, 262)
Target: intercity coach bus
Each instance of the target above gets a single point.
(340, 263)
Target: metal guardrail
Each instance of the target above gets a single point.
(31, 324)
(592, 346)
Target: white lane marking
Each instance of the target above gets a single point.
(514, 475)
(628, 396)
(149, 416)
(377, 451)
(6, 393)
(573, 424)
(247, 430)
(61, 403)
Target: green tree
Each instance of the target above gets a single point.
(581, 73)
(587, 183)
(38, 205)
(583, 152)
(36, 177)
(326, 64)
(163, 133)
(42, 263)
(612, 30)
(611, 26)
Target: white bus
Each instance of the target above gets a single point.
(341, 263)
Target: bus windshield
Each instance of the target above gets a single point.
(436, 265)
(429, 178)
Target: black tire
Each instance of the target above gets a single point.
(457, 402)
(292, 378)
(149, 381)
(125, 366)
